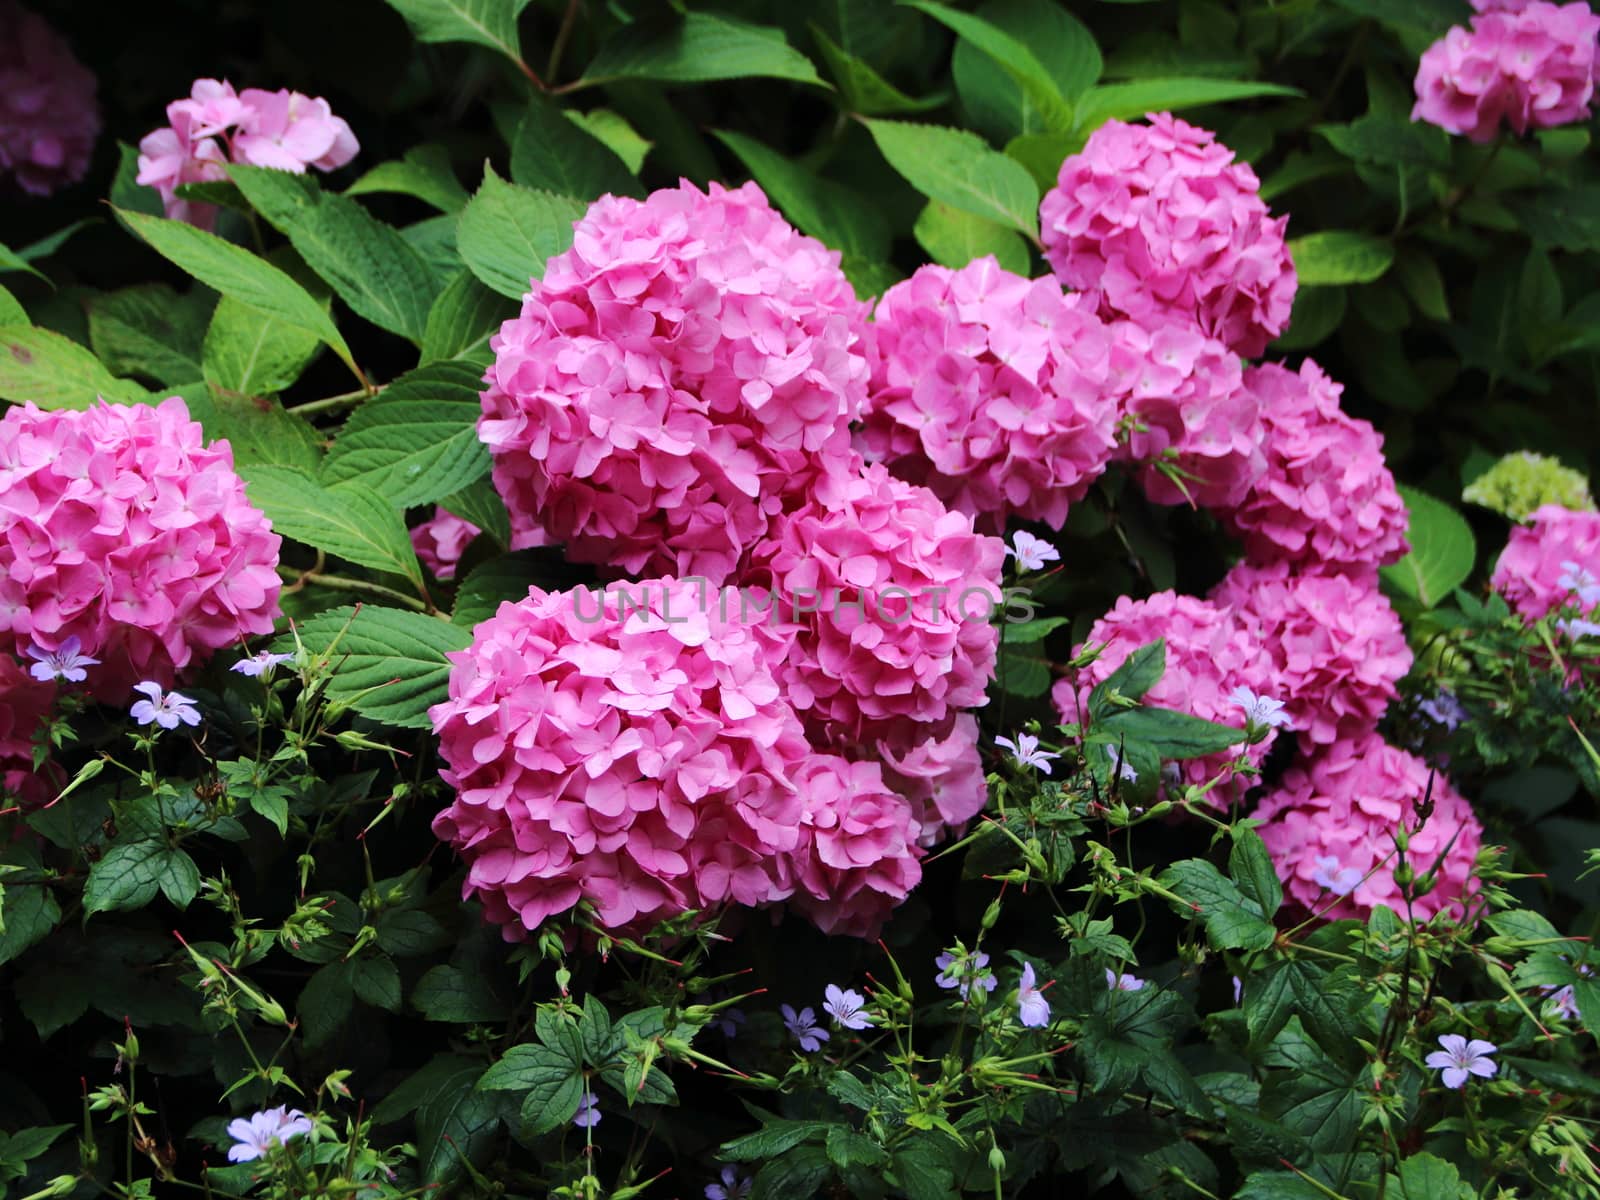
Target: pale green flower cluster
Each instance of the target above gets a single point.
(1520, 483)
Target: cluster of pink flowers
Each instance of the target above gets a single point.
(214, 125)
(1529, 65)
(25, 704)
(1551, 562)
(1327, 496)
(992, 390)
(1330, 829)
(635, 752)
(49, 116)
(1210, 655)
(125, 537)
(441, 540)
(1161, 226)
(679, 378)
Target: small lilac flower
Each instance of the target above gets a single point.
(1443, 709)
(1334, 876)
(1123, 982)
(728, 1021)
(1576, 628)
(1580, 581)
(260, 664)
(1025, 751)
(1461, 1058)
(165, 709)
(1123, 768)
(1563, 1001)
(803, 1028)
(66, 663)
(588, 1114)
(1238, 990)
(846, 1008)
(253, 1136)
(1031, 552)
(734, 1186)
(1033, 1010)
(1262, 712)
(964, 972)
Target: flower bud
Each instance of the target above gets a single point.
(997, 1159)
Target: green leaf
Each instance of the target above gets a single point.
(10, 260)
(862, 88)
(11, 310)
(1278, 1185)
(129, 876)
(326, 1002)
(490, 584)
(447, 993)
(250, 354)
(261, 431)
(53, 372)
(491, 23)
(348, 520)
(376, 980)
(1310, 1094)
(424, 172)
(700, 46)
(1251, 868)
(1171, 734)
(1028, 633)
(1233, 921)
(417, 441)
(1038, 90)
(773, 1138)
(1042, 154)
(1139, 672)
(551, 1083)
(456, 1124)
(954, 238)
(1442, 555)
(481, 505)
(149, 331)
(462, 319)
(1294, 988)
(1568, 218)
(1426, 1177)
(1390, 141)
(31, 912)
(1126, 101)
(237, 273)
(846, 1148)
(614, 131)
(400, 654)
(506, 232)
(369, 264)
(1419, 275)
(560, 157)
(828, 211)
(958, 168)
(1337, 256)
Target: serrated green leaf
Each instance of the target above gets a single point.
(11, 310)
(958, 168)
(150, 331)
(250, 354)
(559, 156)
(462, 319)
(613, 130)
(1338, 256)
(447, 993)
(507, 232)
(423, 171)
(129, 876)
(417, 441)
(52, 371)
(1171, 734)
(456, 1125)
(1139, 672)
(1126, 101)
(260, 432)
(376, 980)
(399, 653)
(551, 1085)
(828, 211)
(491, 23)
(1443, 551)
(696, 48)
(1013, 57)
(31, 912)
(862, 89)
(347, 520)
(481, 505)
(488, 585)
(954, 238)
(1233, 921)
(995, 104)
(1251, 868)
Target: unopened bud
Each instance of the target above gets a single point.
(997, 1159)
(991, 914)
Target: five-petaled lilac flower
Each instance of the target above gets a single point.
(260, 664)
(1123, 982)
(1261, 712)
(1025, 751)
(734, 1186)
(727, 1022)
(1576, 628)
(1123, 768)
(1033, 1010)
(848, 1009)
(253, 1136)
(803, 1028)
(1580, 581)
(1461, 1058)
(166, 709)
(1443, 709)
(1031, 552)
(1339, 879)
(964, 972)
(1563, 1001)
(66, 663)
(588, 1114)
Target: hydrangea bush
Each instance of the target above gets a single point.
(745, 601)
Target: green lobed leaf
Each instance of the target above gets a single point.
(507, 232)
(423, 172)
(417, 441)
(462, 319)
(1443, 551)
(53, 371)
(1251, 868)
(400, 653)
(552, 1085)
(1233, 921)
(1126, 101)
(953, 238)
(698, 47)
(1338, 256)
(347, 520)
(129, 876)
(958, 168)
(1014, 57)
(561, 157)
(490, 23)
(31, 912)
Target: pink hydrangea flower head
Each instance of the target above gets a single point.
(885, 597)
(858, 854)
(992, 391)
(1209, 656)
(1157, 223)
(941, 776)
(1533, 572)
(676, 379)
(1528, 66)
(628, 748)
(1343, 803)
(1183, 400)
(49, 114)
(1336, 644)
(291, 131)
(25, 705)
(1327, 496)
(121, 528)
(441, 540)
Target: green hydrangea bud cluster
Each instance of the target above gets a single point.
(1521, 482)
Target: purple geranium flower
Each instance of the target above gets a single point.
(804, 1028)
(1461, 1058)
(734, 1186)
(1033, 1010)
(964, 971)
(260, 664)
(66, 663)
(253, 1136)
(846, 1008)
(165, 709)
(588, 1114)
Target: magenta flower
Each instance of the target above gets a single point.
(1026, 753)
(1548, 561)
(260, 664)
(1461, 1058)
(65, 662)
(254, 1136)
(1123, 982)
(441, 540)
(165, 709)
(49, 115)
(588, 1114)
(803, 1027)
(1033, 1010)
(846, 1008)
